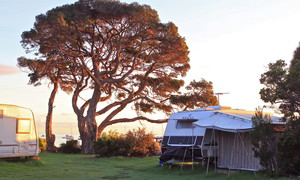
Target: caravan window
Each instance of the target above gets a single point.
(23, 126)
(187, 123)
(1, 113)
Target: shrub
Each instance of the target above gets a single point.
(111, 147)
(288, 146)
(42, 144)
(111, 144)
(141, 143)
(70, 147)
(112, 134)
(263, 141)
(133, 143)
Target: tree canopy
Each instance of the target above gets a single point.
(282, 85)
(198, 94)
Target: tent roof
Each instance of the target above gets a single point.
(231, 120)
(225, 122)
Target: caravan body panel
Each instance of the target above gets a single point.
(181, 136)
(18, 136)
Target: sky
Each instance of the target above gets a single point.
(231, 43)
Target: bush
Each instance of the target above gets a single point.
(70, 147)
(263, 141)
(42, 144)
(288, 146)
(111, 144)
(141, 143)
(133, 143)
(111, 147)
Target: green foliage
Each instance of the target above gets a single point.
(70, 147)
(289, 145)
(42, 143)
(263, 141)
(111, 144)
(133, 143)
(274, 81)
(282, 86)
(112, 134)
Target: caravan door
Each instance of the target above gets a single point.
(8, 144)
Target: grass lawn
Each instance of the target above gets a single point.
(66, 166)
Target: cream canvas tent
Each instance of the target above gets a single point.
(230, 130)
(18, 136)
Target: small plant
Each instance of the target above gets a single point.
(70, 147)
(42, 144)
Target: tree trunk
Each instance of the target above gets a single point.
(50, 138)
(88, 136)
(90, 125)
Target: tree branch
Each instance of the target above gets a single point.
(123, 120)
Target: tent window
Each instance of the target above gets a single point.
(184, 124)
(165, 141)
(23, 126)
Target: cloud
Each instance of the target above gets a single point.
(6, 69)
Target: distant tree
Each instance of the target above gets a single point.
(275, 81)
(282, 86)
(40, 70)
(121, 52)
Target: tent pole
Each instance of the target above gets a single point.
(193, 139)
(247, 154)
(211, 138)
(215, 154)
(232, 154)
(207, 165)
(183, 158)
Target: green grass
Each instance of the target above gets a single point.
(65, 166)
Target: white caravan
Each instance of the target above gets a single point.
(18, 135)
(183, 141)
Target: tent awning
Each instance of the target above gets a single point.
(225, 122)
